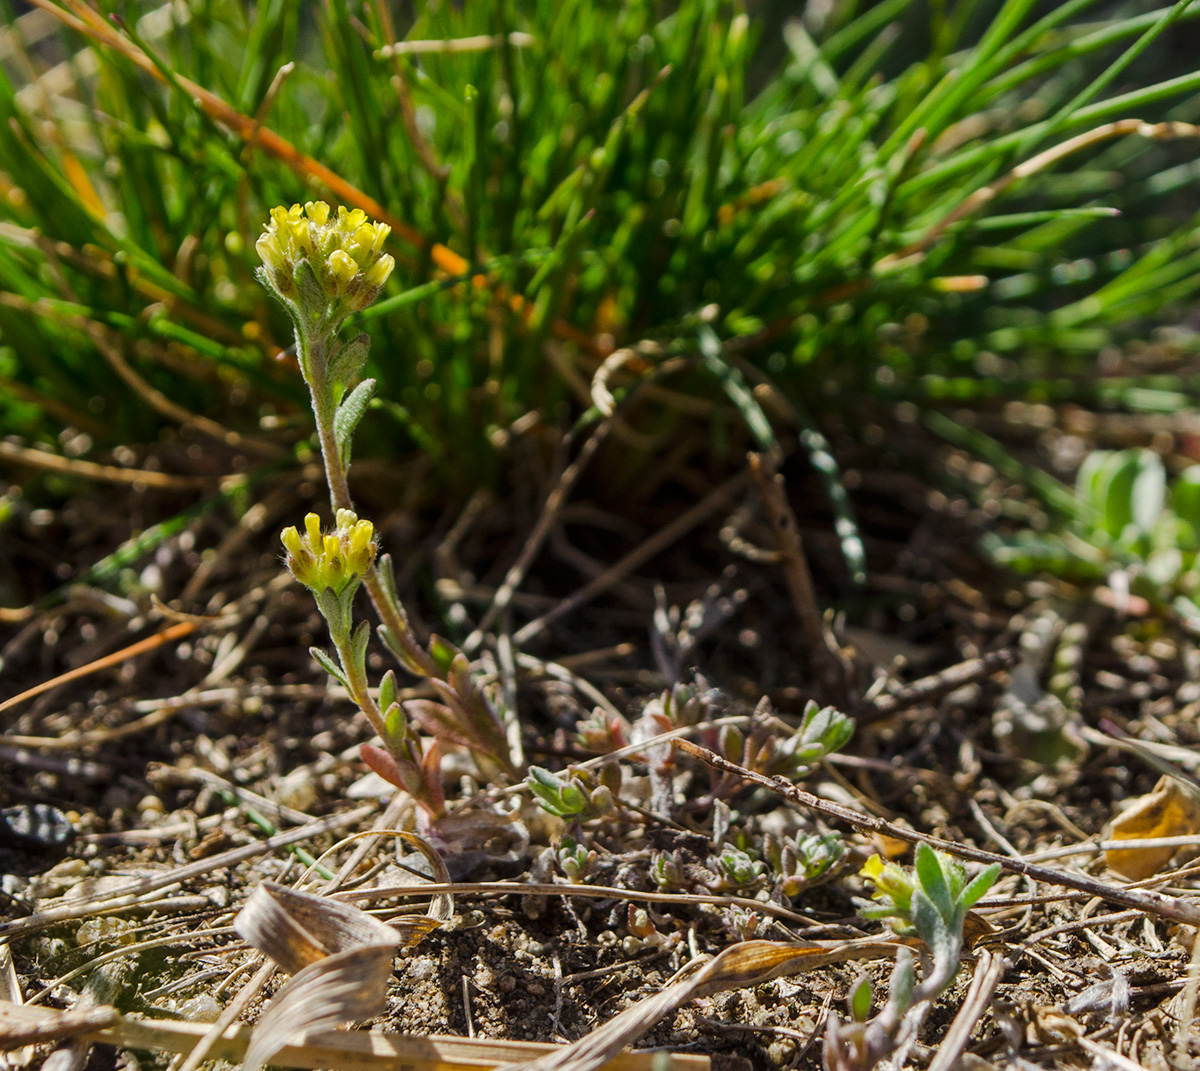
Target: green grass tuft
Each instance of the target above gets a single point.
(779, 202)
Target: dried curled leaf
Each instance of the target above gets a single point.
(340, 958)
(747, 964)
(1171, 810)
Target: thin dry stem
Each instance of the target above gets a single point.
(1153, 903)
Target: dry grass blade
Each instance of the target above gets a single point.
(981, 197)
(22, 1025)
(988, 973)
(298, 929)
(174, 632)
(46, 461)
(339, 956)
(358, 1051)
(16, 1054)
(75, 907)
(641, 554)
(334, 990)
(748, 964)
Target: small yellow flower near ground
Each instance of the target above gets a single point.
(334, 560)
(343, 251)
(892, 882)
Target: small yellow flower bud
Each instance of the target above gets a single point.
(291, 542)
(360, 541)
(342, 267)
(350, 221)
(872, 868)
(377, 273)
(317, 211)
(269, 251)
(361, 242)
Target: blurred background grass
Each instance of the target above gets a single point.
(760, 193)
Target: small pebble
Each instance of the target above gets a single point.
(202, 1008)
(36, 825)
(484, 978)
(297, 790)
(781, 1051)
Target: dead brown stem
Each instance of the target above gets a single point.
(1152, 903)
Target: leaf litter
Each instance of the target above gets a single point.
(261, 762)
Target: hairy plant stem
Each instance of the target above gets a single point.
(313, 364)
(359, 689)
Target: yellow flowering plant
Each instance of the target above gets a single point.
(931, 902)
(325, 265)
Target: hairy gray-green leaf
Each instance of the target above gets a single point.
(328, 665)
(349, 413)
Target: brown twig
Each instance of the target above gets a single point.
(541, 529)
(91, 470)
(595, 892)
(825, 664)
(940, 683)
(151, 643)
(1152, 903)
(658, 542)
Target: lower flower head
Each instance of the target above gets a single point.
(337, 560)
(342, 251)
(893, 885)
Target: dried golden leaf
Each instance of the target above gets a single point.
(340, 958)
(1171, 810)
(747, 964)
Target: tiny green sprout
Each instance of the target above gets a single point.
(819, 853)
(323, 265)
(744, 922)
(804, 861)
(1130, 524)
(574, 859)
(666, 871)
(822, 732)
(336, 560)
(567, 797)
(860, 999)
(931, 900)
(738, 868)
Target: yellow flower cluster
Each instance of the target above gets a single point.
(336, 559)
(343, 251)
(891, 882)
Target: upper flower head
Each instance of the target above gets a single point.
(342, 251)
(337, 559)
